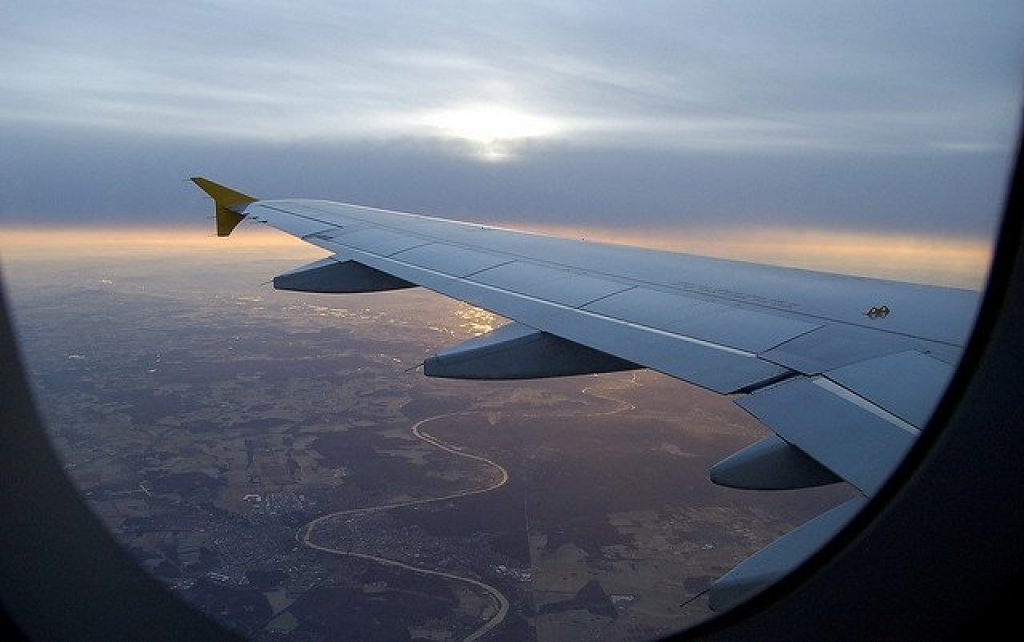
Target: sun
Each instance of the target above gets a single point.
(492, 130)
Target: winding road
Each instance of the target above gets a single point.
(305, 533)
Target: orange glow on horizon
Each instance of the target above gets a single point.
(69, 242)
(958, 262)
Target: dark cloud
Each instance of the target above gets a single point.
(65, 177)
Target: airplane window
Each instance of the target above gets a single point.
(272, 451)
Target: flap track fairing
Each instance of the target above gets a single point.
(771, 464)
(334, 276)
(517, 351)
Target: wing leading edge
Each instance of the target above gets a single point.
(845, 370)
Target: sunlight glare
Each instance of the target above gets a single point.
(492, 130)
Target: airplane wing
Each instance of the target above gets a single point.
(845, 370)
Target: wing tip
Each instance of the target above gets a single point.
(228, 203)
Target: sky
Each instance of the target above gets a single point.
(664, 116)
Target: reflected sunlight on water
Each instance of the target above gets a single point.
(476, 321)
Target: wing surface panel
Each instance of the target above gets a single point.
(377, 242)
(451, 259)
(725, 325)
(295, 224)
(652, 308)
(836, 345)
(744, 329)
(562, 286)
(939, 314)
(845, 370)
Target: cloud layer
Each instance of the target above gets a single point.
(872, 116)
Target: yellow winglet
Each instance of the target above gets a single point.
(226, 201)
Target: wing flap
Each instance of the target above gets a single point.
(858, 443)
